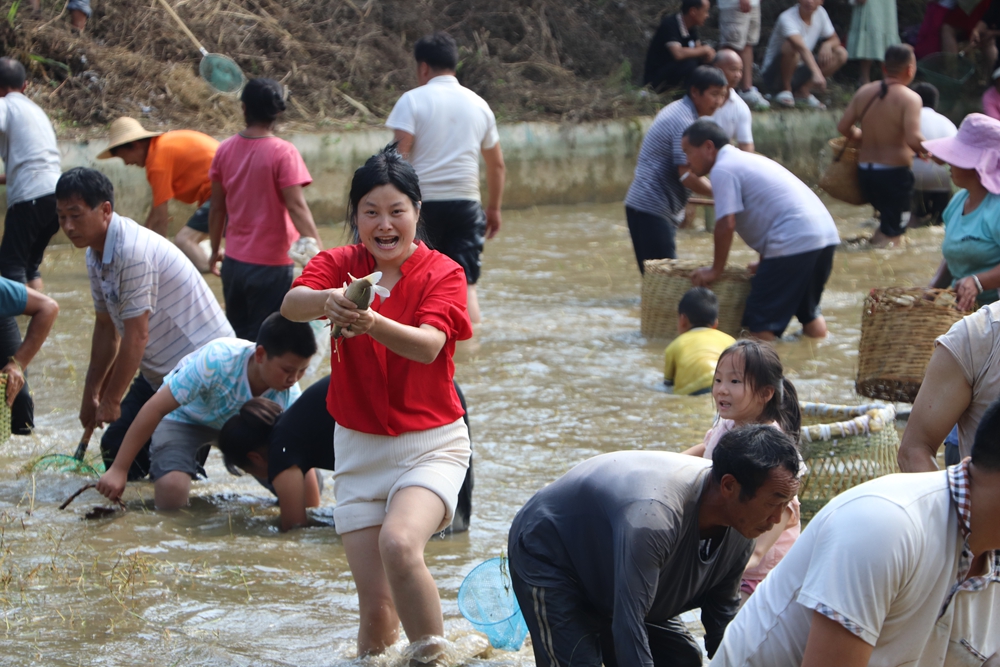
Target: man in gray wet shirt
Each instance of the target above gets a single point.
(605, 559)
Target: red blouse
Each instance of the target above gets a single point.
(372, 389)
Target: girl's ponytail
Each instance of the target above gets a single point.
(789, 413)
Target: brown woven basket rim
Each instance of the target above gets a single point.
(686, 266)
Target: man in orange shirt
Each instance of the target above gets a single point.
(176, 166)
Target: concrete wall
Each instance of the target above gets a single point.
(547, 163)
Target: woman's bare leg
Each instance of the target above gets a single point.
(379, 622)
(414, 515)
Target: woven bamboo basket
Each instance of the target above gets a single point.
(665, 281)
(843, 446)
(898, 329)
(4, 410)
(840, 179)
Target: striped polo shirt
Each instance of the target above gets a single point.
(656, 188)
(140, 271)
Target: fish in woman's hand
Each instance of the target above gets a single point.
(362, 292)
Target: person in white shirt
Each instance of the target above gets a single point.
(739, 30)
(152, 308)
(31, 160)
(932, 182)
(901, 570)
(441, 127)
(777, 215)
(803, 51)
(734, 114)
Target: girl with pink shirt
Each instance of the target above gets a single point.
(750, 388)
(257, 181)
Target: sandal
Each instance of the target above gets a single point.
(785, 99)
(811, 102)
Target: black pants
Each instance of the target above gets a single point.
(22, 413)
(252, 292)
(890, 191)
(138, 394)
(457, 228)
(28, 228)
(567, 632)
(652, 236)
(931, 204)
(671, 74)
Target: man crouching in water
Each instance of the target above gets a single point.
(605, 559)
(889, 116)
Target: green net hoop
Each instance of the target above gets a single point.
(222, 73)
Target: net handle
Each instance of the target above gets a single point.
(170, 10)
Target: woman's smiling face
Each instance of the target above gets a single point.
(387, 225)
(734, 397)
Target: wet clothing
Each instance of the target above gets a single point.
(28, 228)
(972, 241)
(177, 166)
(662, 70)
(908, 598)
(689, 361)
(303, 437)
(890, 192)
(138, 394)
(654, 204)
(405, 395)
(180, 447)
(252, 292)
(653, 236)
(615, 543)
(457, 228)
(774, 298)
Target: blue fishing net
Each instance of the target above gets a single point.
(486, 599)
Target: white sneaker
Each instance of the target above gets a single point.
(754, 99)
(785, 99)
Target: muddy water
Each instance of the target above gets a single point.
(558, 373)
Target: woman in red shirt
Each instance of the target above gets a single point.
(400, 443)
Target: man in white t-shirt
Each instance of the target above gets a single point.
(442, 127)
(734, 114)
(902, 570)
(803, 51)
(739, 30)
(777, 215)
(932, 182)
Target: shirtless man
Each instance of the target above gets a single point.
(889, 136)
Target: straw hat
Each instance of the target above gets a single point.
(976, 146)
(125, 130)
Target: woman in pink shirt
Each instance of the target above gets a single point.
(257, 181)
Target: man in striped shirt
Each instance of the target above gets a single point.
(152, 307)
(655, 202)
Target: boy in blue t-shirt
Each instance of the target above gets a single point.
(689, 361)
(205, 389)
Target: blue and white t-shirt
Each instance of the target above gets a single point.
(211, 383)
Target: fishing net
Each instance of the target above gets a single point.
(222, 73)
(64, 463)
(486, 599)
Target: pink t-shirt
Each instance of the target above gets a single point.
(253, 173)
(787, 538)
(991, 102)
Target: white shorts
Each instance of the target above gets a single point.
(371, 468)
(737, 29)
